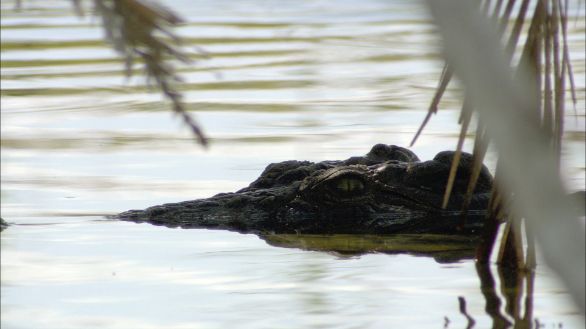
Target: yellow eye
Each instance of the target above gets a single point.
(349, 185)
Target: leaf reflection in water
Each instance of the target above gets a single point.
(516, 288)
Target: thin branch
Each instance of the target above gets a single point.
(433, 107)
(516, 32)
(566, 55)
(478, 154)
(466, 118)
(560, 82)
(547, 96)
(506, 16)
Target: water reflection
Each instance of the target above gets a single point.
(508, 298)
(515, 287)
(442, 248)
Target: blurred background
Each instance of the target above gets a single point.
(272, 81)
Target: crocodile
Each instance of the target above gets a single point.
(387, 191)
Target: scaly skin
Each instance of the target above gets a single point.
(388, 191)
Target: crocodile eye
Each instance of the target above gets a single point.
(341, 185)
(349, 185)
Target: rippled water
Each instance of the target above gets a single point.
(309, 80)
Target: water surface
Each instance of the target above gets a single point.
(308, 80)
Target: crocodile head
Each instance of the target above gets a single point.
(389, 190)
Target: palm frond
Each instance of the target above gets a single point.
(545, 53)
(141, 29)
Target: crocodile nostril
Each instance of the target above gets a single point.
(349, 185)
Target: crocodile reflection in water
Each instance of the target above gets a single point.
(442, 248)
(387, 191)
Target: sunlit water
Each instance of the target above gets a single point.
(307, 80)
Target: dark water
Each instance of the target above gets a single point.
(310, 80)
